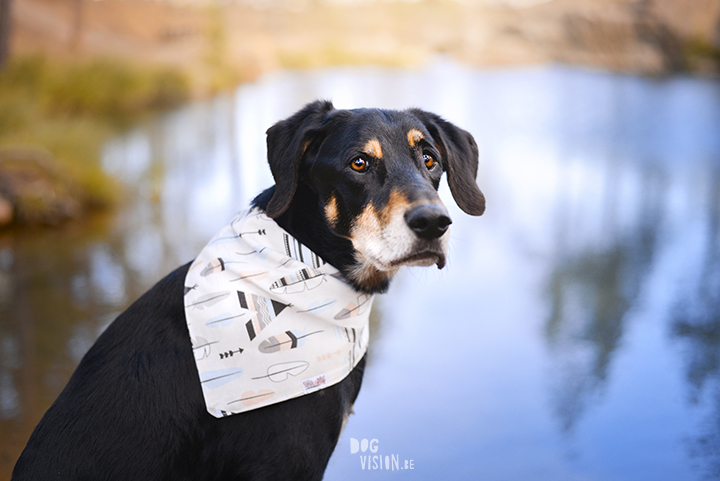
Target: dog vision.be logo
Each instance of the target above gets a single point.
(373, 460)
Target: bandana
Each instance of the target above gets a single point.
(269, 320)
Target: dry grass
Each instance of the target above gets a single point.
(69, 108)
(222, 43)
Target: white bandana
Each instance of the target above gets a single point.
(269, 320)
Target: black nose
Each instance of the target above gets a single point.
(428, 221)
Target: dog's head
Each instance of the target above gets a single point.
(375, 174)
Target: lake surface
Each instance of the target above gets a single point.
(574, 335)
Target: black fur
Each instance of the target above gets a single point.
(460, 150)
(134, 409)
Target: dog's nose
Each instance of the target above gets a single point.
(428, 221)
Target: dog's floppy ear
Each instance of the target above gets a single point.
(287, 141)
(460, 160)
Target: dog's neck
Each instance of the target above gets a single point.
(304, 221)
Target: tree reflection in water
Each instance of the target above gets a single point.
(696, 324)
(592, 290)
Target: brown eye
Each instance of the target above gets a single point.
(429, 161)
(359, 164)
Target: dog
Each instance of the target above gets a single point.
(357, 187)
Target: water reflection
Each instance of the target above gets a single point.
(582, 309)
(58, 291)
(591, 291)
(696, 322)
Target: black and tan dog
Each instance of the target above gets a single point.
(358, 187)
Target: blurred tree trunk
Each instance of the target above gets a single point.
(76, 41)
(5, 26)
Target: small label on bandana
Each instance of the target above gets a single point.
(314, 383)
(269, 320)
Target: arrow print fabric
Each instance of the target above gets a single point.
(263, 312)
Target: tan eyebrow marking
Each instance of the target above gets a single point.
(373, 149)
(414, 136)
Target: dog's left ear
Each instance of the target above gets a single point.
(287, 142)
(460, 160)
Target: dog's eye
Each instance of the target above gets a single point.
(359, 165)
(429, 161)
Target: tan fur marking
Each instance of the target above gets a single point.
(414, 136)
(368, 223)
(396, 201)
(305, 147)
(373, 149)
(367, 231)
(331, 211)
(369, 276)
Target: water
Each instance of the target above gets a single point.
(574, 335)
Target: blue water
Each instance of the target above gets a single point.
(574, 334)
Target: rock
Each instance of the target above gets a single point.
(33, 191)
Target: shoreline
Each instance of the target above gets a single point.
(222, 45)
(195, 51)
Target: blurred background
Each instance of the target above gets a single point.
(582, 311)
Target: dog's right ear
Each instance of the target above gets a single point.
(287, 142)
(460, 160)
